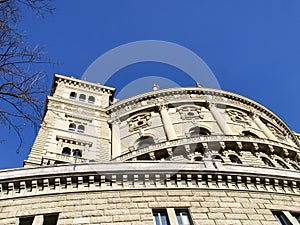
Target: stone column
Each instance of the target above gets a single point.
(220, 119)
(263, 127)
(289, 140)
(115, 139)
(168, 125)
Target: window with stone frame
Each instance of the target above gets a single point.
(47, 219)
(172, 216)
(286, 217)
(267, 162)
(183, 217)
(234, 159)
(160, 217)
(26, 220)
(73, 95)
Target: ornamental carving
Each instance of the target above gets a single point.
(239, 117)
(190, 112)
(278, 133)
(140, 121)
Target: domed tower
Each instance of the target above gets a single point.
(179, 156)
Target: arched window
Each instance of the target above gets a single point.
(82, 97)
(235, 159)
(198, 158)
(249, 134)
(91, 99)
(72, 126)
(73, 95)
(267, 162)
(282, 164)
(80, 128)
(77, 153)
(196, 131)
(145, 141)
(218, 157)
(66, 151)
(295, 166)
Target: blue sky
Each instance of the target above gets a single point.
(252, 46)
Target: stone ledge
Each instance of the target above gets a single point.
(145, 175)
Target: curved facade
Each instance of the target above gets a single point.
(175, 156)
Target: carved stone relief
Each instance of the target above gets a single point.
(139, 122)
(190, 112)
(239, 117)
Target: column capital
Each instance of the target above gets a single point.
(162, 106)
(114, 121)
(254, 114)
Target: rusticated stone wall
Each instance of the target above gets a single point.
(134, 207)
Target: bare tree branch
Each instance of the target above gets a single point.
(21, 82)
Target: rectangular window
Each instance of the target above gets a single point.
(296, 216)
(160, 217)
(183, 217)
(26, 220)
(50, 219)
(170, 216)
(281, 218)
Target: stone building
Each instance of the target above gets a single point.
(178, 156)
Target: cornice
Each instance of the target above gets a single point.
(208, 174)
(80, 83)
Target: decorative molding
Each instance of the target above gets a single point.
(161, 175)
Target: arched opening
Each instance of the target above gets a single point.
(161, 154)
(82, 97)
(80, 128)
(282, 164)
(66, 151)
(145, 141)
(296, 167)
(91, 99)
(73, 95)
(198, 158)
(218, 157)
(235, 159)
(199, 131)
(77, 153)
(267, 162)
(72, 126)
(247, 133)
(144, 157)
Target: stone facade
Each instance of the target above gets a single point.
(183, 155)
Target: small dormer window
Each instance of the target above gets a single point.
(80, 128)
(91, 99)
(73, 95)
(72, 126)
(82, 97)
